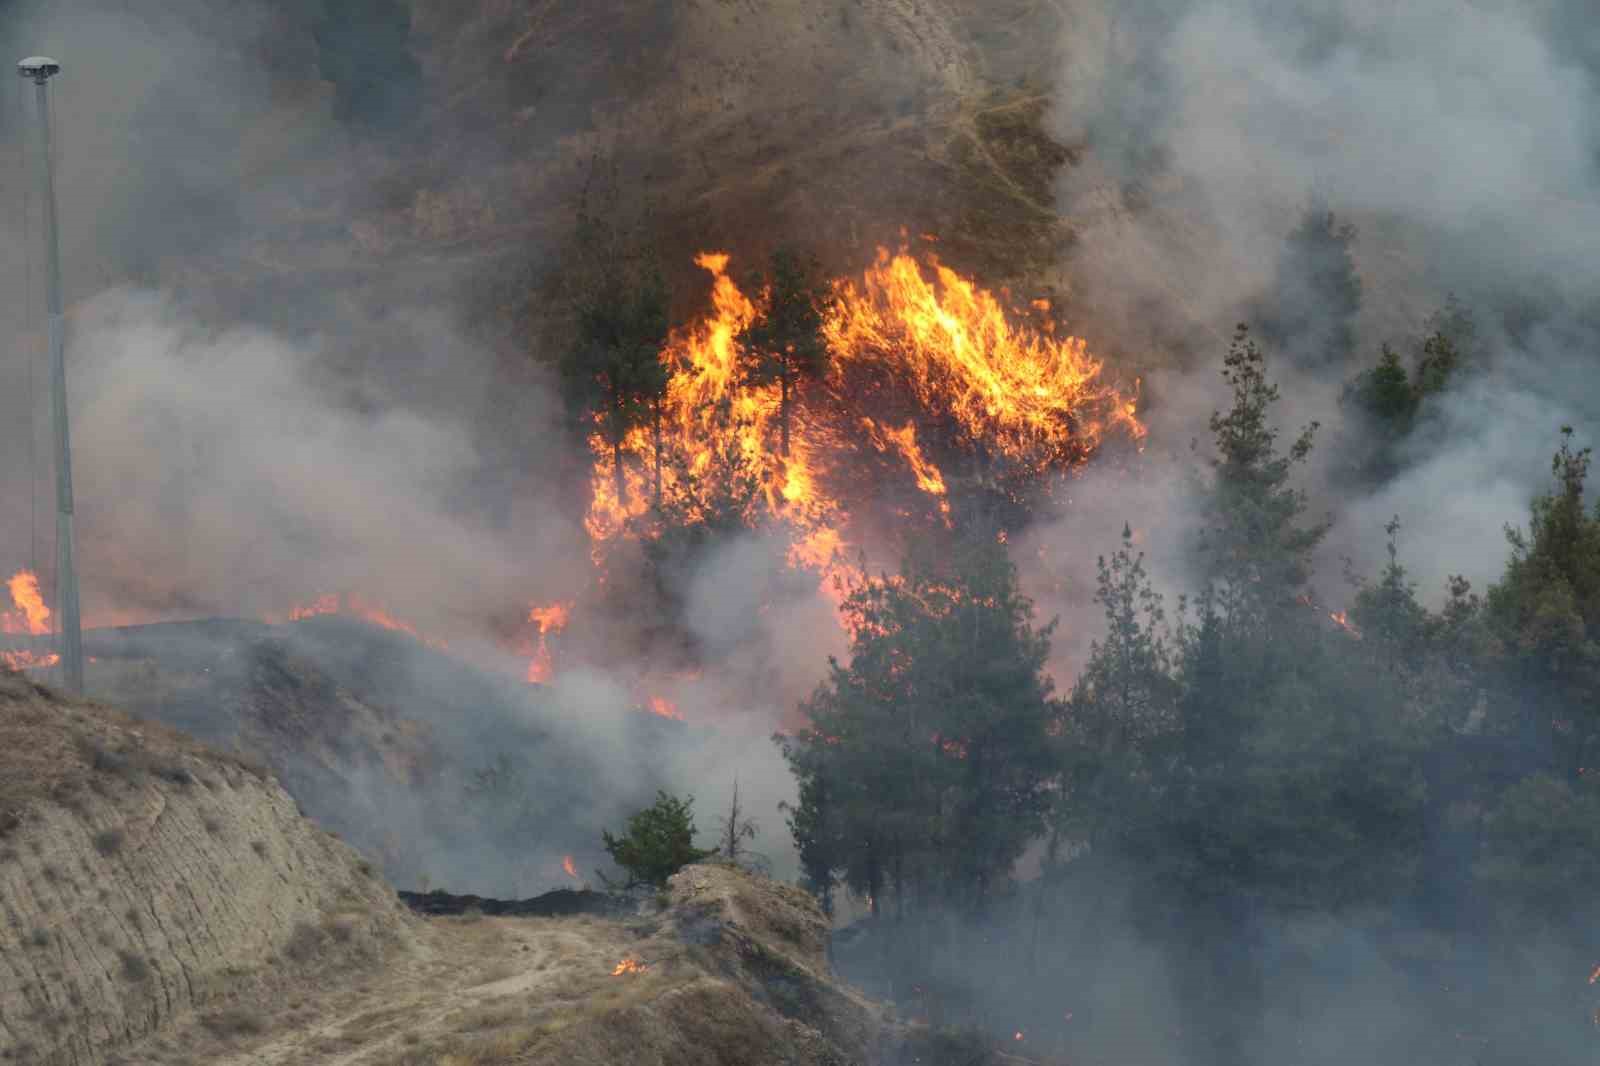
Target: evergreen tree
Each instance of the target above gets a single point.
(1385, 395)
(1280, 739)
(1316, 295)
(659, 842)
(1450, 344)
(612, 373)
(1388, 400)
(1545, 613)
(809, 820)
(1125, 700)
(785, 344)
(931, 748)
(364, 50)
(1255, 553)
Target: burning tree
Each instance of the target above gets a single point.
(612, 373)
(785, 345)
(901, 356)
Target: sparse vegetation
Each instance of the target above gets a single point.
(234, 1022)
(108, 842)
(304, 944)
(135, 967)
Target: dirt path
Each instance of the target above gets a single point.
(468, 991)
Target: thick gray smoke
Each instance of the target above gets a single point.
(266, 412)
(1463, 143)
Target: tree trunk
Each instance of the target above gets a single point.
(616, 470)
(618, 430)
(656, 430)
(783, 412)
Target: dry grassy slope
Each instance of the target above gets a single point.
(143, 876)
(747, 123)
(731, 123)
(161, 903)
(732, 973)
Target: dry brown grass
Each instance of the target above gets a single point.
(234, 1022)
(496, 973)
(52, 750)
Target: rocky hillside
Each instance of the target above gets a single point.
(144, 878)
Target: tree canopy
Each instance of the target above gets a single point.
(925, 770)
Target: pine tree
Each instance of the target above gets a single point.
(658, 843)
(1546, 613)
(364, 51)
(1254, 551)
(785, 344)
(926, 768)
(1316, 295)
(1125, 699)
(612, 373)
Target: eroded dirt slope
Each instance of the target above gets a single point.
(726, 969)
(144, 877)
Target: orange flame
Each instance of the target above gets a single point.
(31, 616)
(357, 607)
(1027, 396)
(569, 866)
(927, 334)
(665, 708)
(629, 965)
(27, 660)
(1342, 620)
(550, 619)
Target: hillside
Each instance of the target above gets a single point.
(724, 124)
(167, 904)
(144, 877)
(381, 739)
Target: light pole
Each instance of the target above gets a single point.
(40, 70)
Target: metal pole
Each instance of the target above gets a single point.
(41, 70)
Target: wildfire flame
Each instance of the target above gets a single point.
(28, 660)
(569, 866)
(1015, 391)
(550, 619)
(629, 965)
(904, 441)
(1342, 620)
(30, 615)
(923, 333)
(665, 708)
(359, 607)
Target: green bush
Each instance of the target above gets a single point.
(659, 842)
